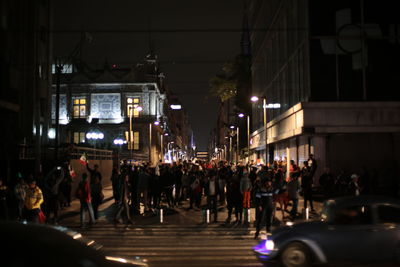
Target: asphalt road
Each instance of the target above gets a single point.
(183, 239)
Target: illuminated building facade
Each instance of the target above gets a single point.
(99, 107)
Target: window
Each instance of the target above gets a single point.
(79, 107)
(135, 136)
(68, 68)
(79, 137)
(388, 214)
(353, 215)
(136, 140)
(131, 104)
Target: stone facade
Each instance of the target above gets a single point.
(106, 111)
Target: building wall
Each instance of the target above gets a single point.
(25, 56)
(280, 55)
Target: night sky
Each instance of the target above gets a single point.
(188, 58)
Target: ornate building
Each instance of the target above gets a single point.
(99, 108)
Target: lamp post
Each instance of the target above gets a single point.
(241, 115)
(237, 145)
(255, 99)
(150, 126)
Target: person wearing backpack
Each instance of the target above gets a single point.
(84, 196)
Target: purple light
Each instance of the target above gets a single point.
(254, 98)
(241, 115)
(156, 123)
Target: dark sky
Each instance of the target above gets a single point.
(188, 59)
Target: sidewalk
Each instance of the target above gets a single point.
(67, 213)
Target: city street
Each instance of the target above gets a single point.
(200, 133)
(183, 239)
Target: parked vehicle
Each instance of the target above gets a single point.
(43, 245)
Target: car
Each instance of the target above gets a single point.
(352, 229)
(28, 244)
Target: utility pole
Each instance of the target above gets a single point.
(59, 69)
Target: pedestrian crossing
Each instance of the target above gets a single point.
(178, 245)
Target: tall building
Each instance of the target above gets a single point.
(25, 82)
(329, 73)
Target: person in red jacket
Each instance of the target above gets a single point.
(83, 194)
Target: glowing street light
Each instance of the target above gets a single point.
(176, 107)
(156, 123)
(118, 141)
(254, 98)
(241, 115)
(94, 136)
(232, 127)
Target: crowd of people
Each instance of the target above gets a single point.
(236, 187)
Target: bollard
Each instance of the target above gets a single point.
(161, 215)
(208, 216)
(248, 216)
(307, 214)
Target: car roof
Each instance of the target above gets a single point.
(363, 200)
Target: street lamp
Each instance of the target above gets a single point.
(255, 99)
(241, 115)
(94, 136)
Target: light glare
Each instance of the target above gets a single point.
(254, 98)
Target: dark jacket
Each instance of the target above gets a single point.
(207, 187)
(293, 189)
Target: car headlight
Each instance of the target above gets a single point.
(269, 245)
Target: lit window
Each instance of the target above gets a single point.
(79, 137)
(132, 103)
(136, 140)
(68, 68)
(79, 107)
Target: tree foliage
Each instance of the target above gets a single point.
(226, 84)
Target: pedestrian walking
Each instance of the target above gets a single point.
(33, 200)
(245, 189)
(85, 198)
(93, 172)
(354, 187)
(96, 190)
(143, 187)
(211, 190)
(123, 206)
(266, 207)
(306, 185)
(293, 189)
(115, 183)
(51, 192)
(234, 197)
(20, 193)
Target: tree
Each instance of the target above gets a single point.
(234, 75)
